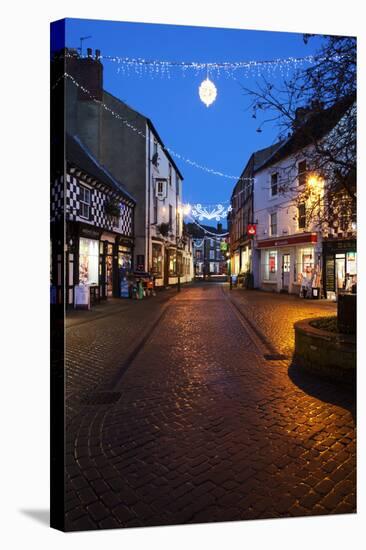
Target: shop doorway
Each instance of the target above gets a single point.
(108, 270)
(109, 275)
(340, 270)
(286, 266)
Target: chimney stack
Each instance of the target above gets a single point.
(219, 227)
(88, 72)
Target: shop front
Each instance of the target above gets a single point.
(172, 265)
(97, 260)
(157, 263)
(235, 262)
(289, 264)
(340, 266)
(245, 258)
(115, 265)
(82, 261)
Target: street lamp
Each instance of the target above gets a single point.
(186, 209)
(315, 183)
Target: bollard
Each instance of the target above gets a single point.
(231, 282)
(178, 285)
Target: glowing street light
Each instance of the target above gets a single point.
(186, 209)
(315, 183)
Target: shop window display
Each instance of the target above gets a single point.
(351, 263)
(88, 261)
(157, 260)
(269, 267)
(304, 264)
(124, 258)
(172, 263)
(179, 263)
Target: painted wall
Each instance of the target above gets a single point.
(283, 204)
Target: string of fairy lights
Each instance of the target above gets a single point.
(199, 211)
(207, 93)
(142, 134)
(207, 90)
(163, 68)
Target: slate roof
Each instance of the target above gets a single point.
(152, 128)
(314, 128)
(80, 157)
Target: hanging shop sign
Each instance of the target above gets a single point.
(251, 229)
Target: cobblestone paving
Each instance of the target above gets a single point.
(207, 430)
(275, 314)
(98, 341)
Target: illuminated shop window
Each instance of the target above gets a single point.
(157, 260)
(269, 265)
(172, 263)
(88, 261)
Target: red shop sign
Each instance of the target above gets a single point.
(251, 229)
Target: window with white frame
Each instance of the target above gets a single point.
(85, 202)
(301, 172)
(301, 216)
(273, 224)
(274, 184)
(269, 265)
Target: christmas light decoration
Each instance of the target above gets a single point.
(230, 69)
(217, 212)
(207, 92)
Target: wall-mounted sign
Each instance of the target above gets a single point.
(89, 232)
(251, 229)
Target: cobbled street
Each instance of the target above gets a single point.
(176, 416)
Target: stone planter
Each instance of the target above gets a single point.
(329, 354)
(346, 313)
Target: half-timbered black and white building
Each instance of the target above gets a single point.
(99, 224)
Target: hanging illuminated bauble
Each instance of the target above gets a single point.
(207, 92)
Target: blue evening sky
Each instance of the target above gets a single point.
(222, 136)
